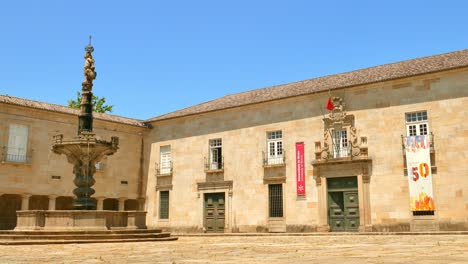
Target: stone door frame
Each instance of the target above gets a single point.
(344, 168)
(216, 187)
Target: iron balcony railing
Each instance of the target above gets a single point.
(341, 151)
(271, 161)
(164, 169)
(214, 166)
(15, 155)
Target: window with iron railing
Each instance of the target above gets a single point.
(17, 149)
(275, 152)
(165, 165)
(340, 143)
(166, 170)
(215, 160)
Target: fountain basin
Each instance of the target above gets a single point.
(82, 220)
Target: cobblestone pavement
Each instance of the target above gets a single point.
(248, 249)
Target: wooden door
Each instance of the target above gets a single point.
(343, 204)
(214, 212)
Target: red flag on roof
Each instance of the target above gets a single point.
(330, 105)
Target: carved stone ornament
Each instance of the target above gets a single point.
(348, 144)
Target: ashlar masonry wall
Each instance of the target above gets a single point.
(379, 110)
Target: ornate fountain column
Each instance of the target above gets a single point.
(85, 150)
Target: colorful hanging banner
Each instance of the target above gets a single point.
(418, 163)
(300, 169)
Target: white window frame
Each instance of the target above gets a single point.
(17, 149)
(215, 155)
(417, 123)
(165, 158)
(340, 143)
(275, 147)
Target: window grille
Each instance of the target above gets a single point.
(164, 205)
(275, 195)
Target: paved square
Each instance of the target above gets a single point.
(255, 249)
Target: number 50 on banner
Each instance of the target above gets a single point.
(422, 170)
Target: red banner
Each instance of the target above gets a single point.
(300, 168)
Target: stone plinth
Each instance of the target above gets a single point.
(79, 220)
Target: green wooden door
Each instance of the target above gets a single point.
(214, 212)
(343, 204)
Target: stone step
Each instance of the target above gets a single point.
(50, 232)
(84, 236)
(81, 241)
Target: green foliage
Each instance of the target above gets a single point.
(98, 104)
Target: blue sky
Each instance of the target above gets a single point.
(154, 57)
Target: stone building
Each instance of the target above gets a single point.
(270, 160)
(33, 177)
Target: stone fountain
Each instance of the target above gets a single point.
(83, 151)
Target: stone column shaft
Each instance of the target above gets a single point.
(100, 203)
(25, 202)
(52, 202)
(122, 204)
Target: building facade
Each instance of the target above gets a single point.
(273, 159)
(32, 177)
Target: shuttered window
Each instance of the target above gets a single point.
(275, 199)
(164, 205)
(17, 143)
(166, 161)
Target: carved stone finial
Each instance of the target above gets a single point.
(338, 113)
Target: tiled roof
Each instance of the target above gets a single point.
(424, 65)
(7, 99)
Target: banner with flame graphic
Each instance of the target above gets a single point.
(418, 162)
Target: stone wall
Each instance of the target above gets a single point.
(379, 110)
(50, 175)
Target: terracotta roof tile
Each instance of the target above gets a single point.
(7, 99)
(424, 65)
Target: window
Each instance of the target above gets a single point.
(165, 159)
(17, 143)
(275, 200)
(340, 143)
(216, 154)
(275, 147)
(164, 205)
(99, 166)
(416, 124)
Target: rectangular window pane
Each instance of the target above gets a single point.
(412, 130)
(275, 198)
(279, 148)
(422, 129)
(271, 147)
(164, 205)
